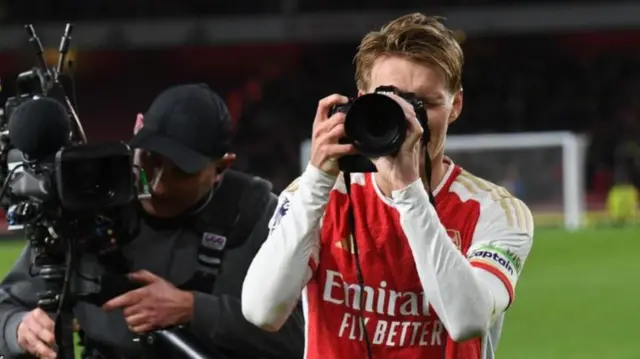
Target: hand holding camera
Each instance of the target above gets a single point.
(402, 169)
(36, 334)
(385, 128)
(328, 129)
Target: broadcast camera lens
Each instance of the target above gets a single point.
(93, 183)
(93, 177)
(376, 125)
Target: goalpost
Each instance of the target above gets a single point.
(545, 169)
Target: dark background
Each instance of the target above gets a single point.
(529, 67)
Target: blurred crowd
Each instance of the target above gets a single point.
(587, 83)
(510, 85)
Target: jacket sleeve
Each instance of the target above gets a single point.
(290, 255)
(18, 296)
(219, 318)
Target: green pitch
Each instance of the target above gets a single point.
(577, 298)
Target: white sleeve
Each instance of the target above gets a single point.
(502, 242)
(285, 262)
(467, 299)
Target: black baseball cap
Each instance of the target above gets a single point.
(188, 124)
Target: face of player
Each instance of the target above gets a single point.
(428, 83)
(173, 191)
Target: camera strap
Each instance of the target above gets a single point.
(226, 222)
(351, 225)
(429, 171)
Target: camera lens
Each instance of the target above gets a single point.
(90, 180)
(376, 124)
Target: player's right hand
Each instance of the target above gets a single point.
(327, 131)
(35, 334)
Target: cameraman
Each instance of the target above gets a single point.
(196, 202)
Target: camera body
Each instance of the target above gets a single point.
(376, 126)
(68, 197)
(77, 179)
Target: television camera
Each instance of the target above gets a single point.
(70, 198)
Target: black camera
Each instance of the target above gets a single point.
(91, 178)
(66, 195)
(45, 160)
(71, 198)
(376, 125)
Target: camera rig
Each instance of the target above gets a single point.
(77, 200)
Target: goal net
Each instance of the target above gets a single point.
(546, 170)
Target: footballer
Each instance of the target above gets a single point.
(437, 280)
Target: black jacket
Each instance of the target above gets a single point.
(170, 251)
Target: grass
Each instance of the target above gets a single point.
(577, 297)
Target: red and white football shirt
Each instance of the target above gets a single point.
(413, 264)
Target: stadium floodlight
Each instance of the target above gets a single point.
(544, 169)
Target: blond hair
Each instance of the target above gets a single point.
(417, 37)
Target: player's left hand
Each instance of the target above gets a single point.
(403, 169)
(157, 305)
